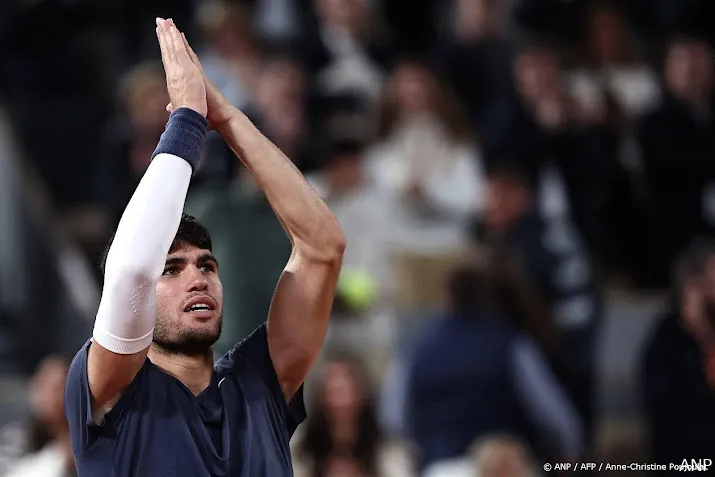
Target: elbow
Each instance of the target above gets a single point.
(329, 250)
(134, 265)
(333, 252)
(336, 244)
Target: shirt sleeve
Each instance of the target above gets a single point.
(84, 430)
(253, 351)
(78, 402)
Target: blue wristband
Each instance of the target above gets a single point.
(184, 136)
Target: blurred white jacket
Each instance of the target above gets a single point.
(51, 461)
(449, 173)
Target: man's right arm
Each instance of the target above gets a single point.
(125, 320)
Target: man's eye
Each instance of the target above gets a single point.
(170, 271)
(207, 268)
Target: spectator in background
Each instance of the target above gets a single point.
(612, 76)
(677, 141)
(279, 106)
(677, 378)
(473, 374)
(612, 87)
(476, 55)
(537, 113)
(425, 159)
(558, 267)
(571, 155)
(49, 448)
(130, 137)
(366, 286)
(345, 53)
(341, 437)
(231, 58)
(280, 109)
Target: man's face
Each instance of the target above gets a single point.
(537, 75)
(689, 70)
(189, 302)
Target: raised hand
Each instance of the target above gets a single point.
(184, 79)
(220, 110)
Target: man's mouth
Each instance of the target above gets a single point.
(200, 303)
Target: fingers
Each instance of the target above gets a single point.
(164, 45)
(171, 41)
(190, 50)
(178, 42)
(169, 108)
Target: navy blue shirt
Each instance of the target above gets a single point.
(240, 425)
(459, 387)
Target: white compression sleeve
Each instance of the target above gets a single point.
(127, 311)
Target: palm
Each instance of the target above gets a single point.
(218, 106)
(219, 109)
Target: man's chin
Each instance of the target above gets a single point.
(188, 345)
(190, 340)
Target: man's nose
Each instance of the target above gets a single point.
(196, 280)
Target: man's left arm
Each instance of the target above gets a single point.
(302, 303)
(303, 300)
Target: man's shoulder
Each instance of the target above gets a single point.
(253, 347)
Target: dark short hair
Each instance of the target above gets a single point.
(342, 147)
(191, 232)
(692, 261)
(688, 36)
(538, 44)
(474, 285)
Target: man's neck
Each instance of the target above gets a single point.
(193, 371)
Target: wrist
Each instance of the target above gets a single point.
(201, 111)
(184, 136)
(230, 115)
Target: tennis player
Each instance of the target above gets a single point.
(144, 396)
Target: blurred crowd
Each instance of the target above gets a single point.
(501, 168)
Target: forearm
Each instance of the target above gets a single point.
(125, 320)
(310, 225)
